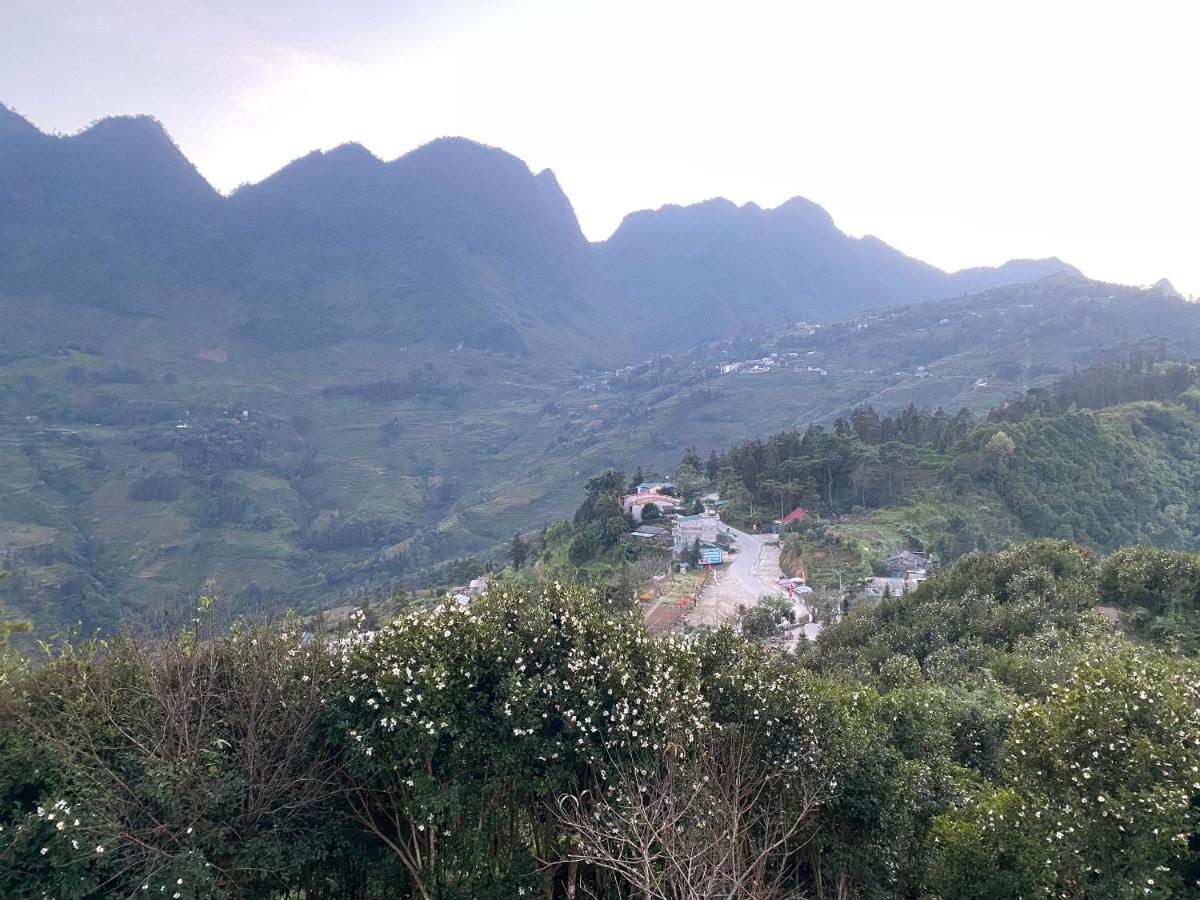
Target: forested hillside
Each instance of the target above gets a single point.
(989, 735)
(132, 473)
(1108, 456)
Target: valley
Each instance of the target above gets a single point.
(334, 472)
(358, 375)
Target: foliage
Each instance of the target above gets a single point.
(988, 722)
(1116, 472)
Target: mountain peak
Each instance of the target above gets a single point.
(803, 210)
(12, 123)
(461, 153)
(1164, 287)
(114, 130)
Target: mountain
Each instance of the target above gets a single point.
(101, 216)
(454, 244)
(715, 268)
(357, 370)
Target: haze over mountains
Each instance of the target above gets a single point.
(453, 243)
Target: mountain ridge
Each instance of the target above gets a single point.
(454, 242)
(701, 257)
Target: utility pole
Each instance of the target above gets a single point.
(841, 594)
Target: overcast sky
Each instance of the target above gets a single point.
(963, 133)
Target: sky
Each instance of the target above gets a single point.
(963, 133)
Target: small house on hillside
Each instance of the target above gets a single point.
(907, 562)
(655, 487)
(703, 527)
(635, 504)
(653, 534)
(794, 517)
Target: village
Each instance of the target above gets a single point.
(699, 571)
(718, 572)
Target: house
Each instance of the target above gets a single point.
(635, 504)
(906, 562)
(655, 487)
(653, 534)
(795, 517)
(703, 527)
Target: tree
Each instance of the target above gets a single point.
(720, 822)
(712, 467)
(190, 760)
(650, 512)
(519, 552)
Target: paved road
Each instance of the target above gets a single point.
(755, 569)
(753, 572)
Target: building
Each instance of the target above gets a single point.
(703, 527)
(653, 534)
(793, 518)
(635, 504)
(655, 487)
(907, 562)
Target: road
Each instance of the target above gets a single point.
(754, 571)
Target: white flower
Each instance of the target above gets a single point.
(99, 848)
(45, 850)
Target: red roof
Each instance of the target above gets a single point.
(796, 515)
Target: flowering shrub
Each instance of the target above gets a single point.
(985, 736)
(1102, 787)
(462, 725)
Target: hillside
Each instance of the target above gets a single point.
(987, 736)
(1106, 457)
(130, 474)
